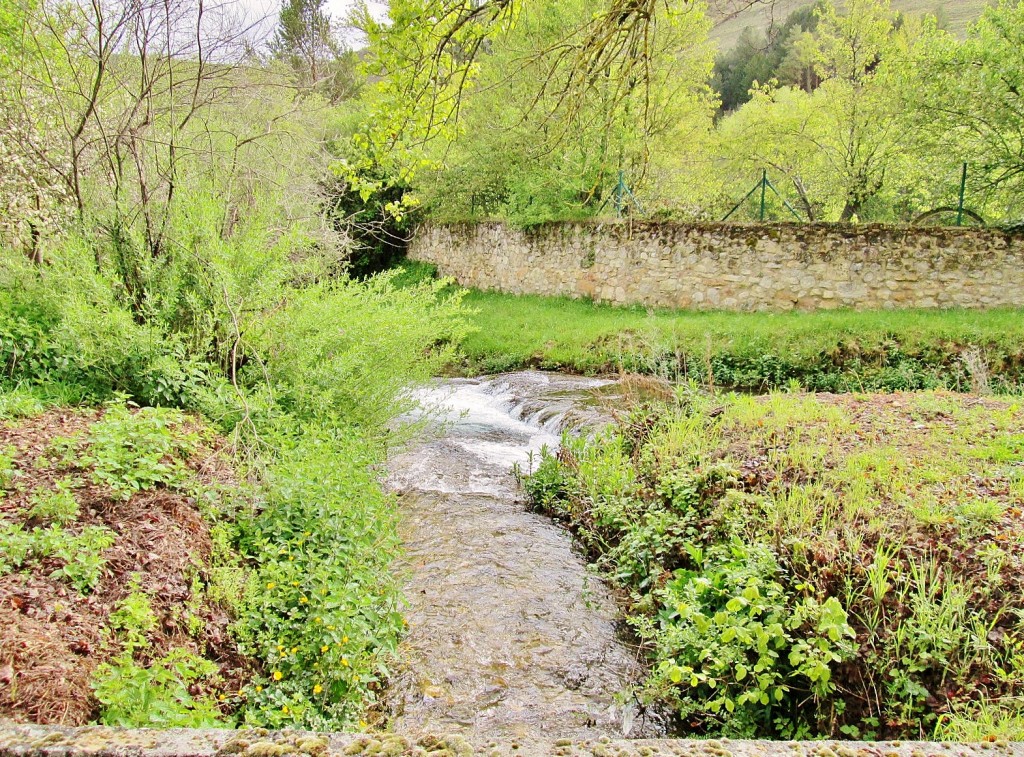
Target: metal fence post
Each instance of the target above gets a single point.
(963, 192)
(764, 188)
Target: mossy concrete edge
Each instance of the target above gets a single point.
(20, 740)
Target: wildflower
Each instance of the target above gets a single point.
(294, 650)
(303, 600)
(271, 584)
(280, 647)
(278, 675)
(242, 693)
(344, 662)
(295, 583)
(344, 639)
(259, 689)
(284, 709)
(222, 698)
(363, 724)
(317, 689)
(324, 648)
(318, 619)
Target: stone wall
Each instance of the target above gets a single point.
(735, 266)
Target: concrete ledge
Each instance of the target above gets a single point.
(53, 741)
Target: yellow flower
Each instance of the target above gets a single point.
(344, 662)
(330, 628)
(344, 639)
(284, 709)
(363, 724)
(278, 675)
(295, 583)
(303, 600)
(242, 693)
(259, 689)
(294, 650)
(318, 619)
(222, 698)
(324, 648)
(291, 558)
(280, 647)
(324, 592)
(317, 689)
(271, 584)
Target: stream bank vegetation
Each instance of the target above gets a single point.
(826, 351)
(198, 378)
(804, 565)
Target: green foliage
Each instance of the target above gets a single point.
(137, 451)
(322, 613)
(328, 357)
(81, 553)
(57, 506)
(158, 695)
(782, 552)
(133, 620)
(735, 646)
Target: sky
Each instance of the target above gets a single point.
(266, 11)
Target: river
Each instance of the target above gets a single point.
(510, 635)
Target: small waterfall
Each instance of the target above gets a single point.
(510, 635)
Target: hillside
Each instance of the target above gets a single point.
(734, 15)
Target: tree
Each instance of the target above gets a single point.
(969, 104)
(845, 145)
(305, 40)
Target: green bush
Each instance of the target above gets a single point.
(158, 695)
(323, 612)
(131, 452)
(81, 553)
(350, 351)
(734, 645)
(58, 506)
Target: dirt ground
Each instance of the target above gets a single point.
(54, 637)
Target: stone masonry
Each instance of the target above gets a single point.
(735, 266)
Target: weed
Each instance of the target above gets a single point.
(132, 452)
(58, 506)
(134, 619)
(81, 554)
(157, 696)
(758, 535)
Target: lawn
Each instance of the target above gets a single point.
(823, 351)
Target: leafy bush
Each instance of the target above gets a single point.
(57, 506)
(132, 452)
(82, 553)
(350, 351)
(734, 644)
(323, 611)
(157, 696)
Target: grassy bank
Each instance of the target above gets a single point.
(823, 351)
(291, 551)
(813, 565)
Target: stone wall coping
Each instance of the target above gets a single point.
(22, 740)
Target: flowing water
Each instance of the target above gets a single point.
(509, 636)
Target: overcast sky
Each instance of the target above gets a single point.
(268, 10)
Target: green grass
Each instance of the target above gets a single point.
(835, 350)
(813, 565)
